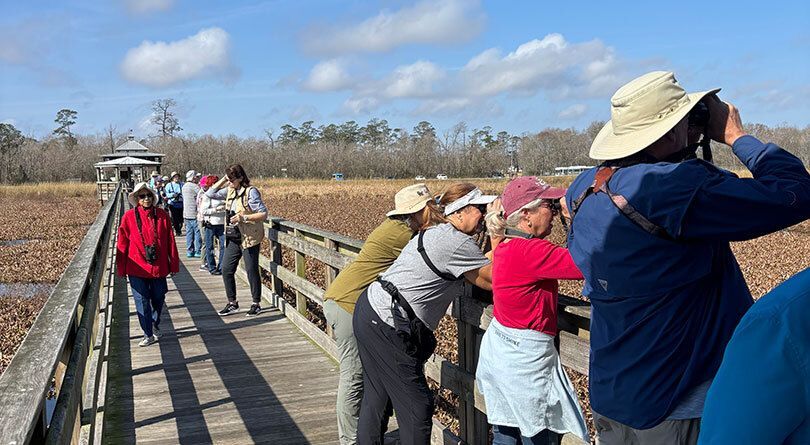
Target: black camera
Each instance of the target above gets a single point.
(150, 254)
(232, 230)
(698, 125)
(699, 115)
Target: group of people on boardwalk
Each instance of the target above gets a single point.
(232, 217)
(679, 353)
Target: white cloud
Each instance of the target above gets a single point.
(159, 64)
(561, 68)
(329, 75)
(427, 22)
(148, 6)
(415, 80)
(573, 112)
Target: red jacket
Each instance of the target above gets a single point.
(131, 259)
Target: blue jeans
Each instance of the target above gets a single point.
(149, 295)
(193, 237)
(210, 233)
(509, 435)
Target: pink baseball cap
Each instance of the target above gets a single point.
(525, 189)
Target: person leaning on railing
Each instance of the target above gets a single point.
(528, 395)
(650, 232)
(395, 317)
(244, 232)
(414, 210)
(146, 253)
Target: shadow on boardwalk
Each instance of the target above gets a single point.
(216, 380)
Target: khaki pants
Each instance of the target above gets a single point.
(350, 384)
(668, 432)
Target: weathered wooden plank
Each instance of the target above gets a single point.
(309, 289)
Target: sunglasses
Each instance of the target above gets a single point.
(144, 195)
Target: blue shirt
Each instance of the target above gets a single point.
(663, 310)
(761, 394)
(174, 190)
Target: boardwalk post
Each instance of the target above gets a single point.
(330, 273)
(301, 271)
(473, 426)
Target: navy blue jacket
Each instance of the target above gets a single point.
(761, 393)
(663, 310)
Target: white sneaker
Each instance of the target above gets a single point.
(148, 341)
(155, 331)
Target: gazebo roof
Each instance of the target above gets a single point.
(131, 148)
(126, 161)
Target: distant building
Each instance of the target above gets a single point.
(130, 162)
(571, 170)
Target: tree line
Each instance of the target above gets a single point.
(373, 150)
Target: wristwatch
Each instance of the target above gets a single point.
(243, 218)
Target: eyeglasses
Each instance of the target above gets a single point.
(554, 206)
(144, 195)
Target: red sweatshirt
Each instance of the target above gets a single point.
(524, 283)
(131, 259)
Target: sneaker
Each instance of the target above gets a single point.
(189, 255)
(229, 309)
(216, 272)
(148, 341)
(255, 309)
(203, 267)
(197, 254)
(155, 331)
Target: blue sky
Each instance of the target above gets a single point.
(240, 67)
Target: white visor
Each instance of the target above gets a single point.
(475, 197)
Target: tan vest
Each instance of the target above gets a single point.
(252, 231)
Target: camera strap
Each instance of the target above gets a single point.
(600, 184)
(140, 225)
(421, 249)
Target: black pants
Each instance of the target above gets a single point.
(177, 218)
(233, 253)
(390, 372)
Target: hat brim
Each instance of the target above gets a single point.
(133, 196)
(483, 199)
(607, 145)
(407, 211)
(553, 193)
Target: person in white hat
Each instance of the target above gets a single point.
(650, 232)
(193, 234)
(146, 255)
(395, 317)
(414, 210)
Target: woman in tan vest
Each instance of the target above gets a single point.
(244, 232)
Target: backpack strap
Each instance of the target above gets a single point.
(601, 184)
(421, 249)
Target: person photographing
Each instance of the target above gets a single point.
(244, 232)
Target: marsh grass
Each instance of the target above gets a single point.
(48, 190)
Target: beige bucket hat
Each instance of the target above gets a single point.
(641, 112)
(410, 199)
(133, 197)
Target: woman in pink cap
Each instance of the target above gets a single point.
(528, 396)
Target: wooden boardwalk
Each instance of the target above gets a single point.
(212, 379)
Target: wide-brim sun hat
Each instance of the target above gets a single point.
(155, 173)
(525, 189)
(133, 197)
(190, 175)
(642, 111)
(410, 199)
(474, 197)
(171, 176)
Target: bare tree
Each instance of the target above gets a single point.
(163, 116)
(110, 130)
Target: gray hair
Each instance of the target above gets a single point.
(497, 224)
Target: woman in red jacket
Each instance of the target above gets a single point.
(528, 396)
(146, 254)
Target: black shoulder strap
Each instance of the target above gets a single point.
(601, 184)
(421, 249)
(140, 224)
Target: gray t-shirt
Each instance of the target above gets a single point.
(451, 251)
(190, 190)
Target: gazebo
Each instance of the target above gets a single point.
(131, 162)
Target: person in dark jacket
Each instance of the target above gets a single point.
(650, 231)
(146, 254)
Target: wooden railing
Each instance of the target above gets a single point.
(62, 355)
(472, 317)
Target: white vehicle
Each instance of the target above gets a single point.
(419, 178)
(441, 177)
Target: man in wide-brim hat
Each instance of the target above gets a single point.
(651, 232)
